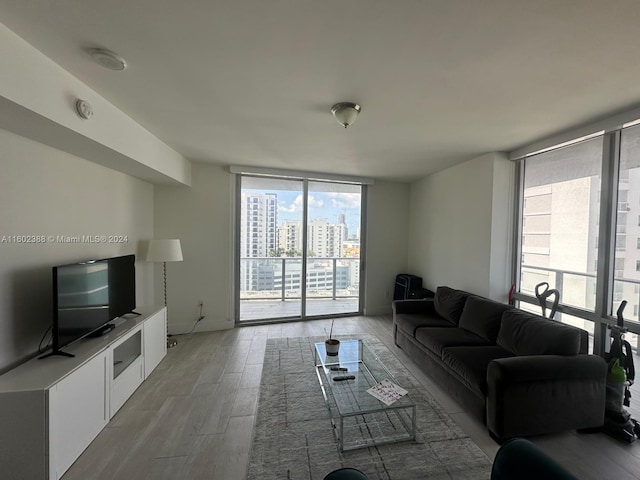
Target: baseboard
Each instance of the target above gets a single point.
(205, 325)
(378, 310)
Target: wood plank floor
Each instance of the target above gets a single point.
(193, 418)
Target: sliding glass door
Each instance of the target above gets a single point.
(333, 253)
(298, 248)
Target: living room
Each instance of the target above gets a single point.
(114, 174)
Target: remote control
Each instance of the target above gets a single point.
(346, 377)
(339, 369)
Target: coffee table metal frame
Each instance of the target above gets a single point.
(351, 397)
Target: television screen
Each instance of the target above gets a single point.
(88, 295)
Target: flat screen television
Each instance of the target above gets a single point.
(88, 295)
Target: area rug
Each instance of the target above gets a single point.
(293, 435)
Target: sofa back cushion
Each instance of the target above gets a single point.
(449, 303)
(483, 317)
(523, 333)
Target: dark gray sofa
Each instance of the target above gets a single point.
(522, 374)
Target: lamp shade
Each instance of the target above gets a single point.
(164, 251)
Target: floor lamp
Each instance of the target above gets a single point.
(165, 251)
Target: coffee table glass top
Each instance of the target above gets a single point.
(356, 359)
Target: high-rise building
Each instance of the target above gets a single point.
(290, 236)
(261, 237)
(326, 239)
(323, 239)
(560, 236)
(258, 238)
(258, 223)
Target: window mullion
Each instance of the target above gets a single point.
(518, 214)
(305, 246)
(606, 232)
(607, 227)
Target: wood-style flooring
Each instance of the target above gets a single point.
(193, 418)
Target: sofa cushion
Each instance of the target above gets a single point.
(523, 333)
(408, 322)
(482, 317)
(470, 364)
(421, 306)
(436, 339)
(449, 303)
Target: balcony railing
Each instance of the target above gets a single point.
(578, 297)
(578, 289)
(269, 278)
(575, 287)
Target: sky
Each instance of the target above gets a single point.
(326, 205)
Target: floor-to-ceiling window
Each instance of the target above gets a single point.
(298, 248)
(560, 218)
(626, 278)
(579, 230)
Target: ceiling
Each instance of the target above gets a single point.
(251, 82)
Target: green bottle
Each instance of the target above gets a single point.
(616, 372)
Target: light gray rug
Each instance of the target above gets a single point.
(294, 439)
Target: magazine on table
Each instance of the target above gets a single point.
(387, 392)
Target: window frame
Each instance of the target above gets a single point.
(602, 315)
(305, 178)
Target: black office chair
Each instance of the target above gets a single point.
(519, 459)
(346, 474)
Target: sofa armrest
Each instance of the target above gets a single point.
(531, 368)
(422, 305)
(537, 394)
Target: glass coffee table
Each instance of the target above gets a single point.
(359, 419)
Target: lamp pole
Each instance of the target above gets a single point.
(165, 251)
(171, 342)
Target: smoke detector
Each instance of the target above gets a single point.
(84, 109)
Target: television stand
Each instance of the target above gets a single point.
(102, 331)
(58, 407)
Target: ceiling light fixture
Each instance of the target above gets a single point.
(346, 112)
(107, 58)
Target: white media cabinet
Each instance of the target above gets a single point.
(52, 409)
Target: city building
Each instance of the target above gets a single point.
(290, 237)
(258, 222)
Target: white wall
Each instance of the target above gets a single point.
(388, 223)
(202, 218)
(502, 227)
(37, 100)
(44, 191)
(460, 226)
